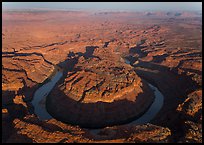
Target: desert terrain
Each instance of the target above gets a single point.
(98, 88)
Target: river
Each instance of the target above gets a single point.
(40, 95)
(153, 109)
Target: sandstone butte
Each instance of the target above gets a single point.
(99, 92)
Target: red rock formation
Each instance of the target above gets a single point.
(96, 89)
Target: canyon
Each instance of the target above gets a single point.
(106, 61)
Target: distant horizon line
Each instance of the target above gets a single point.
(104, 10)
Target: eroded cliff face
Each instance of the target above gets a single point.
(164, 51)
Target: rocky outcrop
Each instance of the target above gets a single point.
(149, 133)
(27, 130)
(193, 132)
(132, 134)
(192, 106)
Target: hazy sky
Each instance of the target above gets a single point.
(136, 6)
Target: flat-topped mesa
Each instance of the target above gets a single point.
(101, 81)
(99, 93)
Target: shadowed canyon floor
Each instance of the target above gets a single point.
(98, 89)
